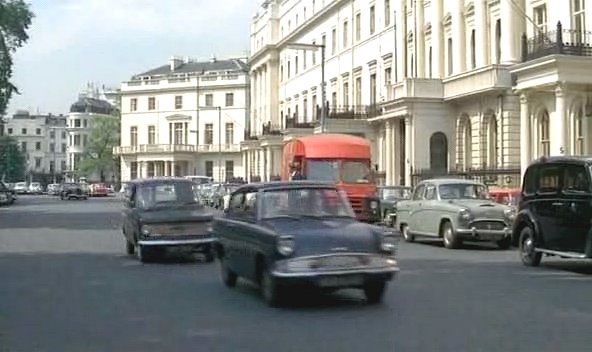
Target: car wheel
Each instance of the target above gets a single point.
(144, 254)
(129, 247)
(528, 255)
(269, 289)
(209, 255)
(451, 241)
(504, 243)
(406, 235)
(227, 276)
(374, 291)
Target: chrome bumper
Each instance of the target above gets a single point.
(485, 234)
(176, 242)
(382, 265)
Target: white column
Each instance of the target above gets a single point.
(173, 171)
(401, 41)
(268, 112)
(253, 92)
(437, 40)
(388, 146)
(166, 168)
(525, 154)
(557, 128)
(511, 31)
(396, 153)
(482, 43)
(408, 150)
(144, 169)
(245, 162)
(459, 52)
(420, 37)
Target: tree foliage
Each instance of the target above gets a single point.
(104, 135)
(15, 19)
(12, 160)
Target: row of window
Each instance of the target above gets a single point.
(37, 132)
(39, 160)
(179, 133)
(209, 169)
(52, 148)
(209, 101)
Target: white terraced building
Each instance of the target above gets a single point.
(184, 118)
(429, 82)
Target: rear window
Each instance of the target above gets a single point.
(549, 178)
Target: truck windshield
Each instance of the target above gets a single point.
(338, 171)
(323, 170)
(355, 172)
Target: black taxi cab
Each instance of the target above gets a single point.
(555, 211)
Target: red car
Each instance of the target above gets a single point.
(98, 190)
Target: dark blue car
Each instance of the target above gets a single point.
(303, 233)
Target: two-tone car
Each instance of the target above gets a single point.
(166, 213)
(455, 210)
(301, 233)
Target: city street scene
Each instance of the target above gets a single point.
(295, 175)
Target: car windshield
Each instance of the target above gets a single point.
(314, 202)
(463, 191)
(395, 193)
(153, 195)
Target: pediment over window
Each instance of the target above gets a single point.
(428, 28)
(178, 117)
(410, 37)
(470, 9)
(447, 21)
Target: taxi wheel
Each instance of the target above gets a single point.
(269, 289)
(528, 255)
(374, 292)
(228, 277)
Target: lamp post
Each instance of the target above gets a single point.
(314, 47)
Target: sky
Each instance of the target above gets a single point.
(74, 42)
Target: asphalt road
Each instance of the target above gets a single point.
(66, 285)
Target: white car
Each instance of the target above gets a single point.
(35, 188)
(21, 188)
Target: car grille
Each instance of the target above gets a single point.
(357, 204)
(340, 262)
(194, 228)
(489, 225)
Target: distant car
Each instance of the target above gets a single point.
(73, 190)
(98, 190)
(35, 188)
(21, 188)
(555, 213)
(10, 187)
(166, 213)
(389, 196)
(5, 195)
(53, 189)
(454, 210)
(283, 234)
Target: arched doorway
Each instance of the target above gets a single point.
(438, 152)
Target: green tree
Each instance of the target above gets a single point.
(15, 19)
(103, 136)
(12, 160)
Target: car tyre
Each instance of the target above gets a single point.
(451, 241)
(227, 276)
(209, 255)
(144, 254)
(527, 248)
(374, 292)
(504, 243)
(406, 235)
(129, 247)
(270, 290)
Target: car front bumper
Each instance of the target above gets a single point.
(484, 235)
(381, 268)
(177, 241)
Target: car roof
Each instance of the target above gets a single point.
(440, 181)
(394, 187)
(278, 185)
(158, 180)
(583, 159)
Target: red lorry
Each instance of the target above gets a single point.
(339, 158)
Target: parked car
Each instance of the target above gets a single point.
(5, 195)
(389, 196)
(454, 210)
(73, 190)
(166, 213)
(554, 217)
(35, 188)
(53, 189)
(98, 190)
(10, 187)
(21, 188)
(282, 234)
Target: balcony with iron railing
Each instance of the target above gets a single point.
(558, 42)
(153, 148)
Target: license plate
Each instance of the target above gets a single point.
(341, 281)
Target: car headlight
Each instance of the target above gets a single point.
(146, 230)
(373, 204)
(464, 214)
(389, 243)
(285, 245)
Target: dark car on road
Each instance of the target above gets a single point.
(555, 212)
(301, 233)
(389, 196)
(166, 213)
(73, 191)
(6, 194)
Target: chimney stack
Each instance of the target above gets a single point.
(175, 62)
